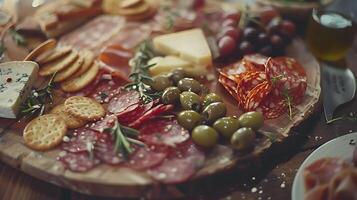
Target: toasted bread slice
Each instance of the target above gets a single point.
(88, 57)
(40, 49)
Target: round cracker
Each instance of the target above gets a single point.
(84, 108)
(40, 49)
(44, 132)
(129, 3)
(53, 54)
(88, 61)
(134, 10)
(80, 82)
(70, 120)
(58, 65)
(144, 15)
(69, 71)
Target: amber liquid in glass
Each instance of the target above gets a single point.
(329, 35)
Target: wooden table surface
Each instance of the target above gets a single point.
(273, 180)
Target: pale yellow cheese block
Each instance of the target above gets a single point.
(164, 65)
(190, 45)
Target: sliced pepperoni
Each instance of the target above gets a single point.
(152, 113)
(80, 140)
(123, 100)
(104, 150)
(78, 162)
(145, 158)
(130, 114)
(234, 69)
(256, 96)
(106, 89)
(107, 122)
(180, 166)
(163, 132)
(272, 106)
(257, 60)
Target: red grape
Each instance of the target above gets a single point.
(263, 39)
(274, 26)
(267, 14)
(226, 45)
(232, 15)
(246, 48)
(250, 33)
(266, 50)
(288, 27)
(277, 41)
(229, 22)
(230, 31)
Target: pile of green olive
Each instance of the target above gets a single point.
(204, 113)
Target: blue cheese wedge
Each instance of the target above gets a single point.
(16, 81)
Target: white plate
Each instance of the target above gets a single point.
(338, 147)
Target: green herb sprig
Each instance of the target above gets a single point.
(18, 38)
(37, 102)
(140, 73)
(124, 137)
(288, 100)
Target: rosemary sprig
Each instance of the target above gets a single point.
(124, 137)
(140, 73)
(288, 99)
(36, 103)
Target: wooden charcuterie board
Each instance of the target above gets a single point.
(113, 181)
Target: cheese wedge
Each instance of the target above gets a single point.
(190, 45)
(164, 65)
(17, 79)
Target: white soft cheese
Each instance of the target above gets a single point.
(16, 81)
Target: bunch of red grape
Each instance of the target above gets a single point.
(266, 34)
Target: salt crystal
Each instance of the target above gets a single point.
(282, 185)
(260, 192)
(254, 189)
(65, 139)
(253, 178)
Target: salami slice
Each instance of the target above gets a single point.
(130, 114)
(80, 140)
(123, 100)
(145, 158)
(234, 69)
(107, 122)
(256, 96)
(152, 113)
(163, 132)
(78, 162)
(106, 89)
(256, 62)
(273, 106)
(180, 166)
(104, 150)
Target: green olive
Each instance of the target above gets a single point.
(214, 111)
(177, 75)
(189, 84)
(253, 119)
(190, 101)
(211, 98)
(243, 138)
(205, 136)
(160, 83)
(171, 95)
(226, 126)
(189, 119)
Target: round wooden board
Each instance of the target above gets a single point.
(106, 180)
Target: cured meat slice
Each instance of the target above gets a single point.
(123, 100)
(146, 157)
(152, 113)
(257, 60)
(163, 132)
(104, 150)
(256, 96)
(180, 165)
(322, 171)
(131, 114)
(272, 106)
(107, 122)
(234, 69)
(78, 162)
(80, 140)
